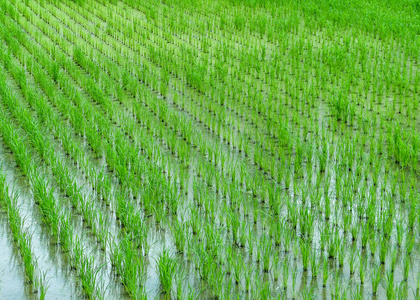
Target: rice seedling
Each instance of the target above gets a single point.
(305, 252)
(315, 264)
(88, 274)
(362, 268)
(390, 285)
(402, 290)
(285, 274)
(352, 259)
(43, 285)
(178, 230)
(383, 250)
(406, 268)
(394, 259)
(167, 267)
(376, 277)
(294, 277)
(410, 244)
(325, 272)
(341, 254)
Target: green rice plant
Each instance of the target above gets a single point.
(333, 246)
(365, 238)
(327, 207)
(315, 264)
(43, 285)
(277, 230)
(266, 250)
(206, 266)
(373, 244)
(324, 235)
(400, 231)
(159, 213)
(411, 216)
(27, 255)
(275, 266)
(309, 293)
(285, 276)
(178, 230)
(167, 267)
(215, 278)
(127, 266)
(248, 279)
(341, 254)
(406, 268)
(352, 259)
(194, 221)
(250, 240)
(263, 292)
(325, 272)
(193, 294)
(394, 259)
(306, 223)
(376, 276)
(237, 270)
(294, 277)
(390, 287)
(287, 239)
(362, 268)
(357, 293)
(88, 275)
(180, 276)
(242, 235)
(305, 252)
(292, 215)
(323, 158)
(335, 293)
(287, 179)
(418, 284)
(383, 250)
(410, 244)
(173, 204)
(402, 290)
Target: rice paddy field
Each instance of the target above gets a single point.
(209, 149)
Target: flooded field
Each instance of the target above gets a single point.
(233, 150)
